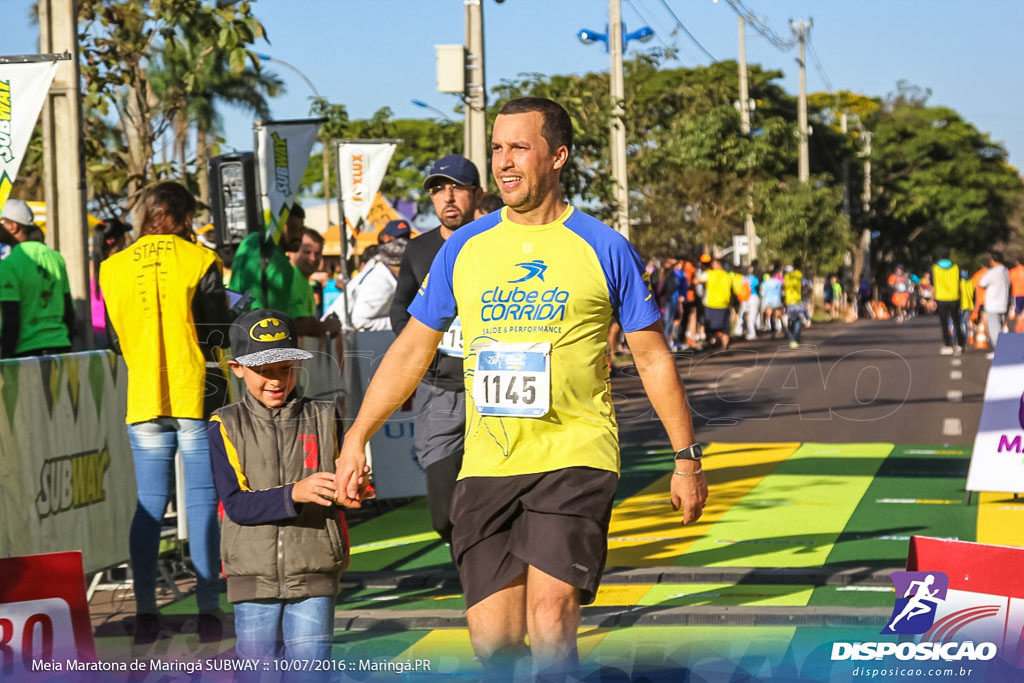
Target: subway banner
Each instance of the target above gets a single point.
(361, 168)
(282, 154)
(67, 478)
(23, 89)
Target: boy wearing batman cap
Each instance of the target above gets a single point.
(283, 542)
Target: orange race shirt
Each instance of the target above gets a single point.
(979, 292)
(1017, 281)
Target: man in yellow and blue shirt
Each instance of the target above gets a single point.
(536, 287)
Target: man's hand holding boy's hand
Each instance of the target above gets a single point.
(316, 488)
(352, 476)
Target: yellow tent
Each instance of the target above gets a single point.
(381, 212)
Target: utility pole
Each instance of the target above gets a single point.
(865, 235)
(804, 166)
(475, 133)
(844, 127)
(618, 129)
(748, 221)
(63, 165)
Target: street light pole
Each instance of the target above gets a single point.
(618, 129)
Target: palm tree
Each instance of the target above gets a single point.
(192, 79)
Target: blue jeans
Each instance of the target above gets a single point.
(285, 629)
(153, 445)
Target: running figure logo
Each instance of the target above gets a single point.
(533, 268)
(922, 592)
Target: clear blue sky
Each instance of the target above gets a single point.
(371, 53)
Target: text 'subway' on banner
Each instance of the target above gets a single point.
(282, 154)
(23, 88)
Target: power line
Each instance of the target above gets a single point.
(644, 19)
(693, 38)
(758, 24)
(818, 66)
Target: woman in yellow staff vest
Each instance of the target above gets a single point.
(718, 294)
(165, 296)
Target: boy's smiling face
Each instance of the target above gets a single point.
(271, 384)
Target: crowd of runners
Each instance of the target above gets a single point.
(706, 302)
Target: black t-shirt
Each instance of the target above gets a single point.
(445, 372)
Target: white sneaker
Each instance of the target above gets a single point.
(990, 355)
(946, 351)
(958, 351)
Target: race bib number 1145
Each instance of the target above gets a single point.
(513, 380)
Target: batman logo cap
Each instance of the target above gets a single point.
(265, 336)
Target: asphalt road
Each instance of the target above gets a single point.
(869, 381)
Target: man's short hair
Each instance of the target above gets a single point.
(490, 203)
(996, 256)
(557, 128)
(313, 235)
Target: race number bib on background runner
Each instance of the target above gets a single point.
(513, 380)
(451, 342)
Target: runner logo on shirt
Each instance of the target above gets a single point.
(533, 268)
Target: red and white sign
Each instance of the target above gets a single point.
(44, 616)
(985, 600)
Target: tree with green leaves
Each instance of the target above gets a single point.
(120, 41)
(940, 183)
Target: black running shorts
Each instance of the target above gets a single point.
(555, 521)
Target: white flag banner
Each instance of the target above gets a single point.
(23, 89)
(996, 462)
(282, 154)
(361, 168)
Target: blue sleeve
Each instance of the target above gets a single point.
(434, 303)
(242, 505)
(629, 287)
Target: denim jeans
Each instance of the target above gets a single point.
(153, 446)
(285, 629)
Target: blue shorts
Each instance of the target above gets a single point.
(1018, 304)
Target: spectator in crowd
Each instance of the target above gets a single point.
(489, 203)
(369, 301)
(37, 316)
(262, 269)
(306, 260)
(165, 298)
(108, 238)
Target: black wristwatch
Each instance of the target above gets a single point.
(694, 452)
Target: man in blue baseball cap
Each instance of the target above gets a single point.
(440, 401)
(393, 231)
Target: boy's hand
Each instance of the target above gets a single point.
(316, 488)
(351, 478)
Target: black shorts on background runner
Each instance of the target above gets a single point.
(555, 521)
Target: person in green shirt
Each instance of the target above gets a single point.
(262, 268)
(37, 314)
(306, 259)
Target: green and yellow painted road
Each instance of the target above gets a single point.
(773, 506)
